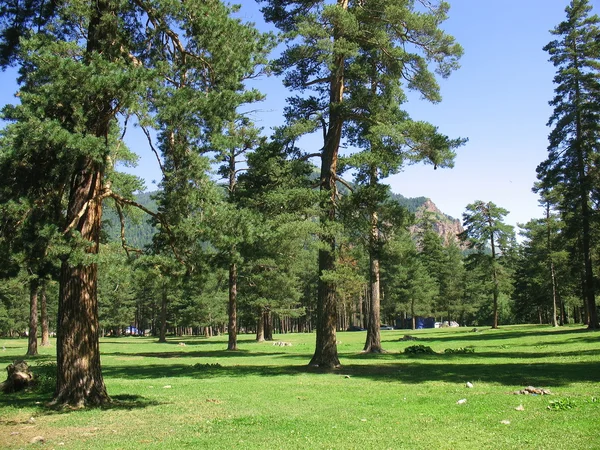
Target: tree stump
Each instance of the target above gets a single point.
(19, 377)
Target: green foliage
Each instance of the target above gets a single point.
(570, 173)
(459, 351)
(45, 377)
(562, 404)
(419, 350)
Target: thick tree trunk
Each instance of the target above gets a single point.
(268, 324)
(44, 316)
(32, 347)
(232, 310)
(260, 328)
(79, 375)
(373, 342)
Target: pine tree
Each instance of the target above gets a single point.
(574, 141)
(331, 46)
(485, 232)
(68, 129)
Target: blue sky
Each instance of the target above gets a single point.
(498, 99)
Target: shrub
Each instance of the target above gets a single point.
(419, 350)
(460, 350)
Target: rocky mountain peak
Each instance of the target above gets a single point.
(447, 227)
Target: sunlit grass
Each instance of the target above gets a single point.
(198, 395)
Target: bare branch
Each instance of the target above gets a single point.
(318, 80)
(126, 247)
(309, 155)
(147, 133)
(344, 182)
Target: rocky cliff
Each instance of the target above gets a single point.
(446, 226)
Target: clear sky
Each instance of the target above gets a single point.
(498, 99)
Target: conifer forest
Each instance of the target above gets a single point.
(250, 231)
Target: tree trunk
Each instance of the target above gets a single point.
(44, 316)
(32, 347)
(373, 342)
(232, 310)
(554, 295)
(163, 315)
(494, 278)
(79, 380)
(268, 324)
(260, 328)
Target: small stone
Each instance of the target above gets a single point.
(346, 376)
(469, 384)
(462, 401)
(520, 408)
(37, 439)
(31, 420)
(505, 422)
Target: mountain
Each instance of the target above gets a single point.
(446, 226)
(139, 230)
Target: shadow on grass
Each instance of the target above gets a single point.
(488, 334)
(40, 403)
(405, 370)
(129, 340)
(390, 356)
(129, 402)
(197, 354)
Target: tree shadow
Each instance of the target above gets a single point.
(489, 334)
(197, 354)
(410, 371)
(393, 356)
(39, 402)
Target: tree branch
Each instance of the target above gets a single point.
(344, 182)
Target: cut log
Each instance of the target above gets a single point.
(19, 377)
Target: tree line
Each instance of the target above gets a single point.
(255, 231)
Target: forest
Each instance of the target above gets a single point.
(254, 233)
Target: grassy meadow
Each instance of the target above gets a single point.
(198, 395)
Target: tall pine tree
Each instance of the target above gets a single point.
(325, 61)
(573, 149)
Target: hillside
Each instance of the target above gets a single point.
(139, 230)
(446, 226)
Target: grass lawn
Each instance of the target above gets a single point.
(173, 396)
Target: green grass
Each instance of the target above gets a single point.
(265, 396)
